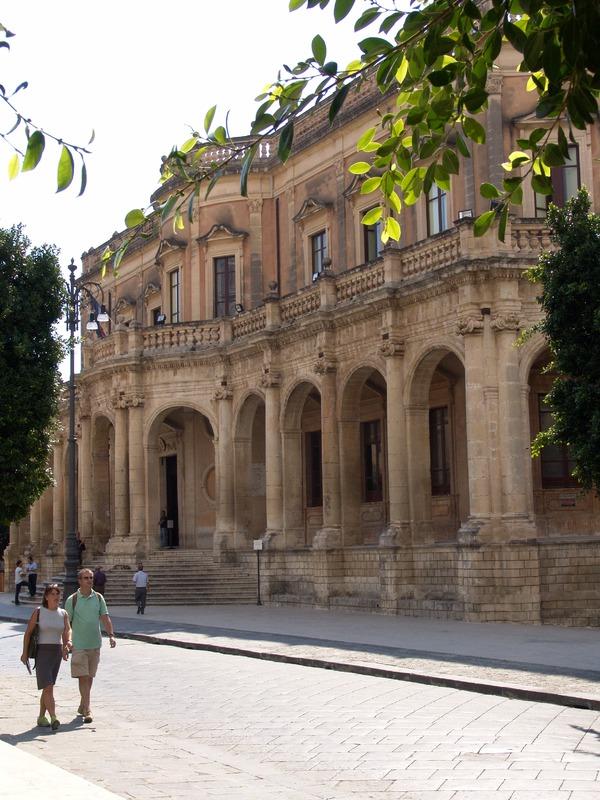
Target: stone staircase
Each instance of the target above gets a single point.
(185, 577)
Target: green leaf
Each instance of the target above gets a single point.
(188, 145)
(489, 191)
(359, 168)
(502, 225)
(33, 154)
(13, 167)
(246, 164)
(168, 207)
(134, 218)
(374, 45)
(365, 139)
(285, 142)
(483, 222)
(402, 70)
(220, 135)
(341, 9)
(65, 169)
(475, 99)
(392, 229)
(515, 36)
(552, 155)
(319, 49)
(210, 114)
(372, 216)
(462, 146)
(473, 130)
(450, 162)
(178, 223)
(365, 19)
(541, 184)
(370, 185)
(295, 4)
(83, 179)
(338, 102)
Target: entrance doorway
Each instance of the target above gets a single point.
(172, 503)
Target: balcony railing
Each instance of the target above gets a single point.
(398, 266)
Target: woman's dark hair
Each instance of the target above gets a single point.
(50, 588)
(19, 562)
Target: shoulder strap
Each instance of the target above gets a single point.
(37, 619)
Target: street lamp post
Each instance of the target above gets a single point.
(74, 294)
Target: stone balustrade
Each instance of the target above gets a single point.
(525, 239)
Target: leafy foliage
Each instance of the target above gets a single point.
(31, 302)
(435, 58)
(570, 280)
(28, 153)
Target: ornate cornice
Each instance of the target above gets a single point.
(309, 207)
(150, 290)
(220, 231)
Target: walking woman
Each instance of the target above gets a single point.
(54, 644)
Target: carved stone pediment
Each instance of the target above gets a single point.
(123, 304)
(151, 290)
(221, 231)
(309, 207)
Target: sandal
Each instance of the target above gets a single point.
(43, 721)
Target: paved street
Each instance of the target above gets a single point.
(173, 723)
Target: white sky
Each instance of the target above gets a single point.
(138, 72)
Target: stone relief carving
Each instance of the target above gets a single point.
(391, 347)
(470, 324)
(269, 378)
(506, 322)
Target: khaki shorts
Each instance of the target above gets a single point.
(84, 663)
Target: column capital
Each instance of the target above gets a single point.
(270, 378)
(325, 365)
(223, 393)
(506, 322)
(391, 346)
(471, 323)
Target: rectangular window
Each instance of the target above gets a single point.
(371, 460)
(224, 286)
(318, 248)
(439, 448)
(565, 183)
(314, 475)
(174, 298)
(556, 462)
(372, 244)
(437, 211)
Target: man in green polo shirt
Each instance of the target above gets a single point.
(86, 610)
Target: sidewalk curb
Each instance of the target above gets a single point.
(508, 690)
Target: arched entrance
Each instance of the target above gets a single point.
(181, 478)
(437, 445)
(364, 452)
(250, 470)
(302, 465)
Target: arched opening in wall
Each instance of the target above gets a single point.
(302, 466)
(437, 445)
(181, 479)
(363, 447)
(103, 505)
(250, 470)
(560, 506)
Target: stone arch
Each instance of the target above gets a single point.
(301, 436)
(363, 446)
(529, 353)
(435, 397)
(185, 403)
(181, 474)
(250, 468)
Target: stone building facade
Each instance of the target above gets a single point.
(271, 372)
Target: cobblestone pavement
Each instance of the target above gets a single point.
(173, 723)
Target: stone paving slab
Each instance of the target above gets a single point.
(541, 663)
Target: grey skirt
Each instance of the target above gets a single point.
(47, 664)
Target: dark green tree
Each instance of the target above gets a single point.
(31, 303)
(570, 281)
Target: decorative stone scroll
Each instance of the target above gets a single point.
(326, 364)
(391, 346)
(270, 378)
(223, 393)
(127, 399)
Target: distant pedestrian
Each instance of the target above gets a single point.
(162, 527)
(32, 571)
(140, 580)
(32, 568)
(20, 579)
(54, 644)
(87, 609)
(80, 548)
(99, 580)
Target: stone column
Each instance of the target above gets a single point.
(513, 445)
(398, 531)
(273, 462)
(46, 520)
(293, 508)
(225, 480)
(58, 504)
(330, 535)
(35, 518)
(85, 474)
(137, 478)
(471, 327)
(121, 492)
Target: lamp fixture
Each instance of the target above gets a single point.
(103, 314)
(92, 325)
(466, 213)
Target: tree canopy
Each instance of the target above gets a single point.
(435, 58)
(31, 303)
(570, 281)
